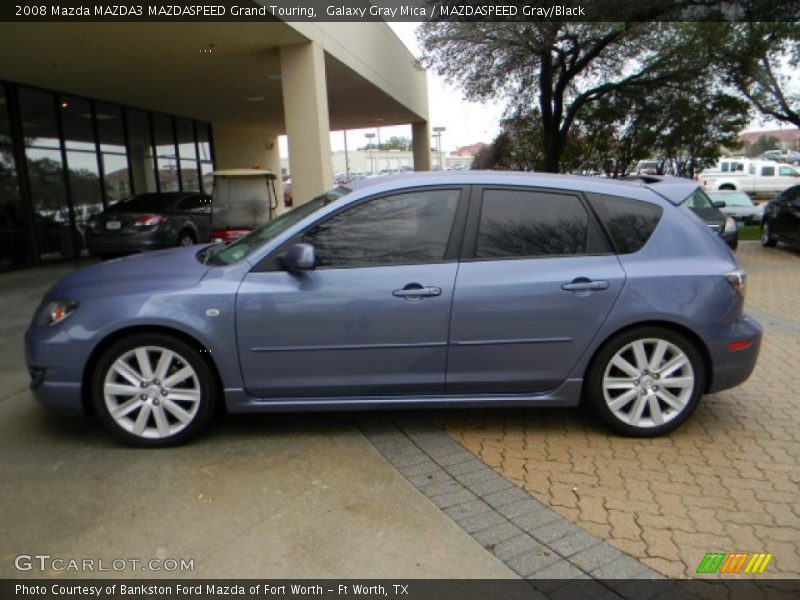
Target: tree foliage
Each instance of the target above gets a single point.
(557, 73)
(762, 61)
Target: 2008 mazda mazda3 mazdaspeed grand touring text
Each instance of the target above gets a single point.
(424, 290)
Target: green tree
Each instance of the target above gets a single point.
(555, 72)
(762, 144)
(762, 61)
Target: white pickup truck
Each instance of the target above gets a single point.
(759, 178)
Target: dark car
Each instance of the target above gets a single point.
(150, 221)
(782, 219)
(738, 205)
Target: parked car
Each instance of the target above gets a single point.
(791, 157)
(149, 222)
(649, 167)
(465, 289)
(738, 205)
(781, 221)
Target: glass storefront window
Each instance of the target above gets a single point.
(38, 118)
(51, 220)
(203, 140)
(184, 132)
(5, 129)
(110, 128)
(141, 151)
(76, 121)
(15, 246)
(164, 138)
(117, 177)
(74, 150)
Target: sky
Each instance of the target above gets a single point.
(465, 122)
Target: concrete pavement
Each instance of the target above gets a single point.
(281, 496)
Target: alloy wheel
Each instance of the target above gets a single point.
(648, 383)
(152, 392)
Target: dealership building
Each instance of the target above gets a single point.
(93, 112)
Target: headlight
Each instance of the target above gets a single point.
(730, 225)
(56, 311)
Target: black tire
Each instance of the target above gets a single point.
(596, 395)
(202, 384)
(186, 238)
(767, 239)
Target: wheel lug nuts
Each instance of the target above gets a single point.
(163, 392)
(635, 382)
(143, 397)
(143, 384)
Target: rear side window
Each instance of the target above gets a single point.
(529, 223)
(767, 171)
(630, 223)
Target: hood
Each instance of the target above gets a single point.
(162, 270)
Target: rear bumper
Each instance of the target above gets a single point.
(733, 367)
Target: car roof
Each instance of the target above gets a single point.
(673, 189)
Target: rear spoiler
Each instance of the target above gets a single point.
(673, 189)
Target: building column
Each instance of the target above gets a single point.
(305, 107)
(421, 145)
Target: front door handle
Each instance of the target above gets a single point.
(417, 291)
(584, 284)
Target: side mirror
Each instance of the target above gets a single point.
(719, 204)
(299, 257)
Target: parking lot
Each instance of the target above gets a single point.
(728, 480)
(301, 496)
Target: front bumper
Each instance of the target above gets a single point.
(55, 374)
(733, 367)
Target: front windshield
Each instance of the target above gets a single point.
(258, 237)
(698, 199)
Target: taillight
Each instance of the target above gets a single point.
(149, 220)
(228, 235)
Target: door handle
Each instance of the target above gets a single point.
(584, 284)
(417, 292)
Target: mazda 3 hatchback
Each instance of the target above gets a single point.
(469, 289)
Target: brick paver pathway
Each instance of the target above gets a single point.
(728, 480)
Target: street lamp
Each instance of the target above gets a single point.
(437, 133)
(369, 136)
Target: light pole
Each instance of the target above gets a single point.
(437, 133)
(369, 136)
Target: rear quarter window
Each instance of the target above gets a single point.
(629, 223)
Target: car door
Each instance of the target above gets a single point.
(535, 284)
(372, 318)
(197, 210)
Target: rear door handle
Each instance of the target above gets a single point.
(417, 292)
(583, 284)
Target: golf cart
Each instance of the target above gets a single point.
(243, 199)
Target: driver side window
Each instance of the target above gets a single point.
(407, 228)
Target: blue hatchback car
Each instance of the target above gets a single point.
(469, 289)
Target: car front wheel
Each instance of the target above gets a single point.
(153, 390)
(646, 381)
(767, 239)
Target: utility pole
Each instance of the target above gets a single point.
(437, 133)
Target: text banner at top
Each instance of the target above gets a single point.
(401, 10)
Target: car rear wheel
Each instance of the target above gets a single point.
(186, 239)
(767, 239)
(646, 381)
(153, 390)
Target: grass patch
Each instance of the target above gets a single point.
(749, 232)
